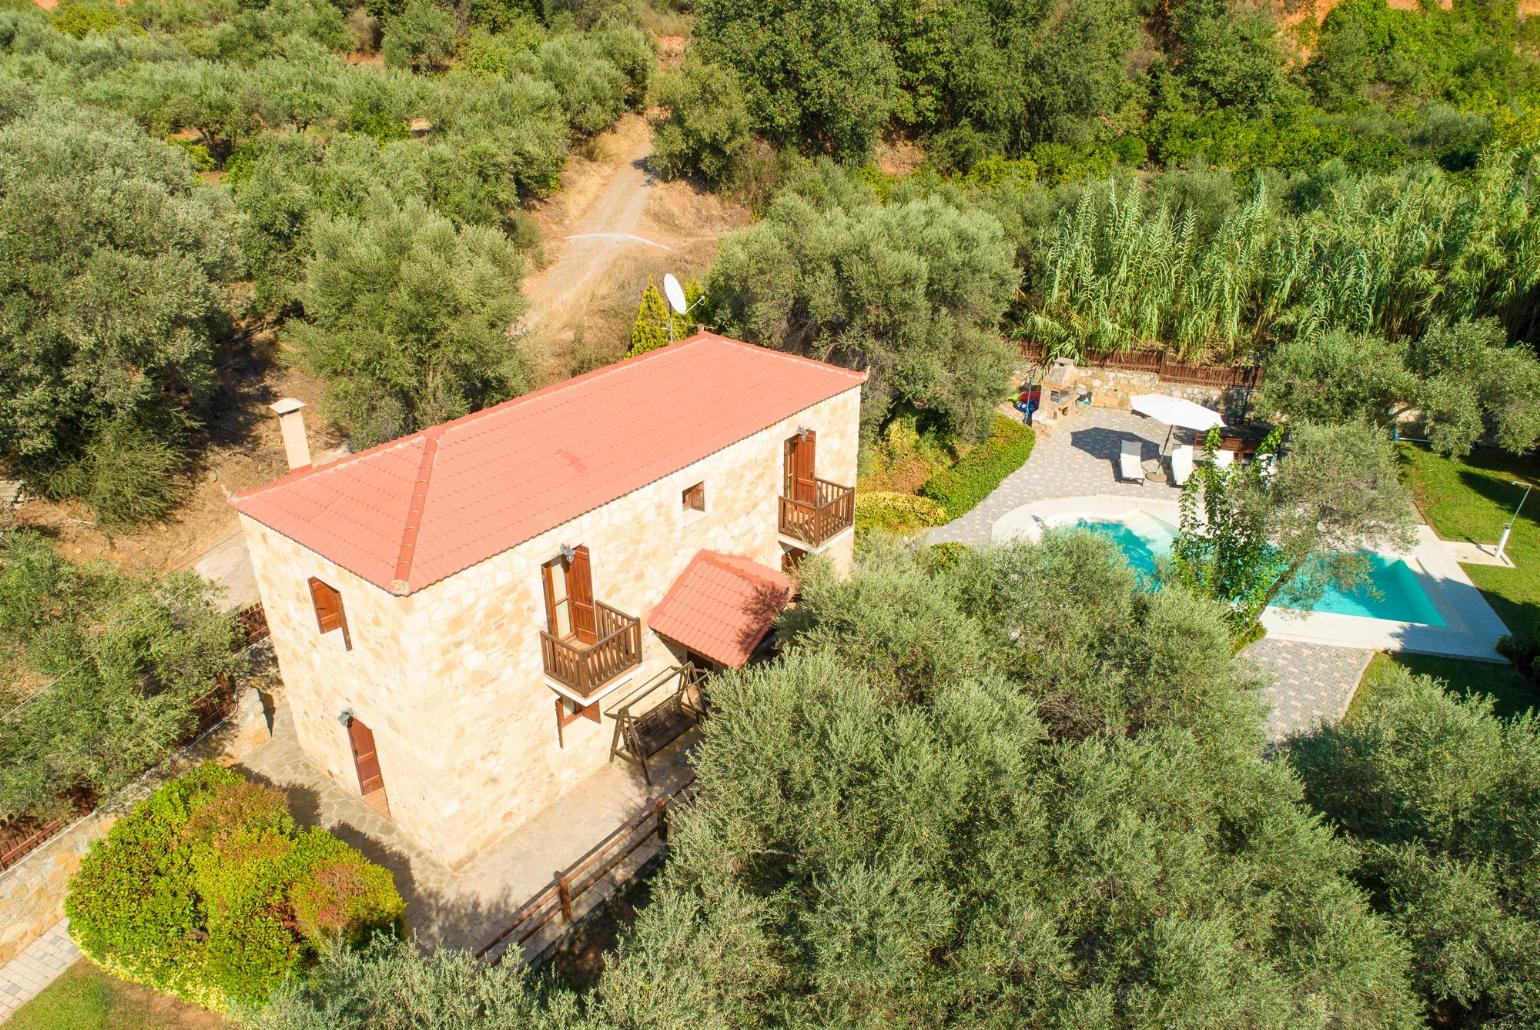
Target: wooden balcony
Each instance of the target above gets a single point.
(584, 668)
(832, 510)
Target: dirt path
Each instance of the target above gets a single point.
(588, 238)
(610, 228)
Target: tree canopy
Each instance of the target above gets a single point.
(1456, 379)
(410, 319)
(159, 156)
(1437, 799)
(112, 263)
(910, 291)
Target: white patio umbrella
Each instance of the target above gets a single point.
(1175, 411)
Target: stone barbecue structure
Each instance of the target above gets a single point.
(456, 612)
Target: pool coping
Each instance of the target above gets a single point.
(1472, 627)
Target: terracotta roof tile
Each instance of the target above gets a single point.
(721, 606)
(413, 511)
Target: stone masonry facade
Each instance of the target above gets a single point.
(450, 678)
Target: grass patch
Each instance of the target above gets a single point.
(1471, 499)
(1510, 692)
(85, 998)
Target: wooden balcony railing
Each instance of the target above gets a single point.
(584, 668)
(833, 510)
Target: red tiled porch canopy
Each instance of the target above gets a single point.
(721, 606)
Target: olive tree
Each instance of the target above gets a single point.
(910, 292)
(112, 262)
(1285, 530)
(100, 672)
(408, 319)
(1456, 379)
(938, 854)
(1438, 798)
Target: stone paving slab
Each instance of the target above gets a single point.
(1310, 684)
(45, 960)
(1079, 459)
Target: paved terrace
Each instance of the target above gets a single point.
(468, 906)
(1079, 459)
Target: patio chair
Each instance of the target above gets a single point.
(1181, 464)
(1267, 464)
(1130, 463)
(1224, 459)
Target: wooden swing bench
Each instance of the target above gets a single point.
(640, 736)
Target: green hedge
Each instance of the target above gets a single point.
(895, 512)
(208, 890)
(960, 488)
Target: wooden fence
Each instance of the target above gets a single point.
(570, 884)
(22, 835)
(1158, 362)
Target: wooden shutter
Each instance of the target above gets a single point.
(580, 597)
(365, 760)
(329, 613)
(801, 479)
(695, 498)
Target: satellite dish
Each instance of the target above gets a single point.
(675, 294)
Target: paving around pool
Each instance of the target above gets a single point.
(1426, 602)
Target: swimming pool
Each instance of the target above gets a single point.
(1144, 539)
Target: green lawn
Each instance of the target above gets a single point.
(1471, 499)
(1510, 692)
(85, 998)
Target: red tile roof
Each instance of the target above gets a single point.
(721, 606)
(413, 511)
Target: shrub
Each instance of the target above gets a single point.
(117, 662)
(705, 128)
(960, 488)
(650, 330)
(209, 891)
(895, 512)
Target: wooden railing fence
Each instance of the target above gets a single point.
(557, 901)
(587, 667)
(833, 509)
(1160, 363)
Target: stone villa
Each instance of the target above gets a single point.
(455, 612)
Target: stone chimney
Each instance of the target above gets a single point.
(1061, 372)
(292, 424)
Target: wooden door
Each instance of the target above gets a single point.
(365, 759)
(580, 595)
(801, 480)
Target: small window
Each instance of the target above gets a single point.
(694, 498)
(329, 613)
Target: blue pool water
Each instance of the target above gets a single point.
(1401, 597)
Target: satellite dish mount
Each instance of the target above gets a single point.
(676, 301)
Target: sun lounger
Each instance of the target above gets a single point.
(1181, 464)
(1130, 465)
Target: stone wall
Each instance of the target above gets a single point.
(32, 891)
(450, 679)
(1112, 388)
